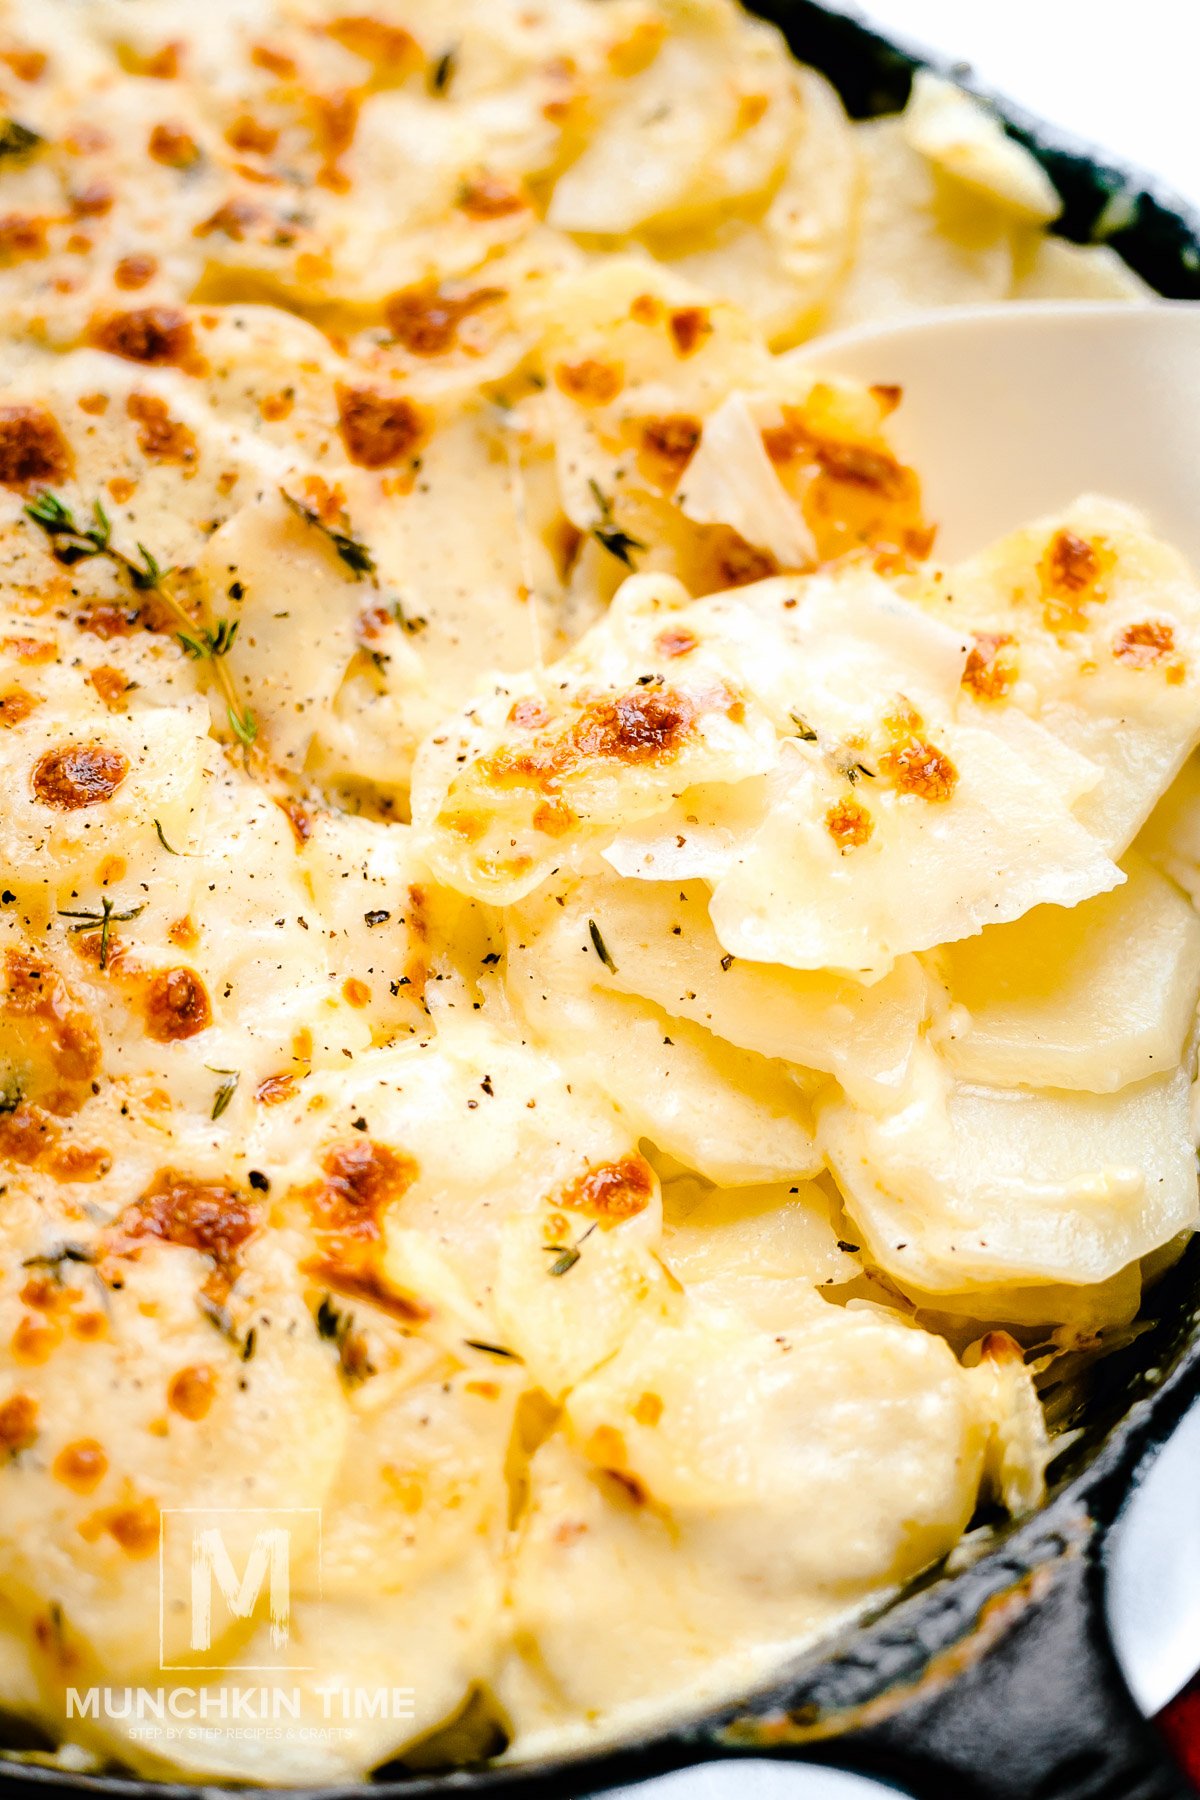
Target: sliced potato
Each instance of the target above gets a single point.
(1092, 997)
(967, 1186)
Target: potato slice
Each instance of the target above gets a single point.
(730, 1114)
(1051, 268)
(690, 1455)
(966, 1186)
(784, 267)
(1099, 626)
(661, 945)
(924, 239)
(1093, 998)
(831, 881)
(962, 137)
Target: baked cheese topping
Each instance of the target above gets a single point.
(577, 1015)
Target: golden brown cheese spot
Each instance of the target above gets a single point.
(274, 407)
(149, 334)
(853, 494)
(378, 429)
(16, 706)
(648, 1409)
(234, 219)
(487, 196)
(183, 932)
(529, 714)
(159, 435)
(273, 1090)
(94, 200)
(177, 1209)
(25, 1133)
(107, 619)
(249, 136)
(173, 145)
(991, 667)
(274, 61)
(36, 991)
(689, 326)
(676, 640)
(135, 1527)
(361, 1179)
(30, 649)
(387, 46)
(175, 1005)
(1147, 645)
(591, 382)
(554, 818)
(648, 725)
(135, 271)
(849, 824)
(192, 1392)
(22, 236)
(78, 775)
(668, 445)
(426, 319)
(32, 448)
(355, 992)
(336, 118)
(638, 48)
(94, 404)
(26, 64)
(1071, 575)
(18, 1424)
(300, 818)
(156, 65)
(35, 1341)
(112, 687)
(611, 1192)
(81, 1466)
(1070, 564)
(920, 768)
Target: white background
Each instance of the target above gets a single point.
(1120, 75)
(1124, 77)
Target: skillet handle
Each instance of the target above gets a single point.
(1042, 1714)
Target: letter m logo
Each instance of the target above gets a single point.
(268, 1564)
(225, 1567)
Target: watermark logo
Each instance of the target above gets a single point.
(226, 1561)
(226, 1575)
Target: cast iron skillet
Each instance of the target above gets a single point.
(997, 1682)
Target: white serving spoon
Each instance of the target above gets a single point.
(1011, 411)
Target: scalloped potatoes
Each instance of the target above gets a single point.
(572, 1005)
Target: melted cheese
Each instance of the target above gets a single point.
(559, 983)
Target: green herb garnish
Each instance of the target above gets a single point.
(600, 947)
(352, 550)
(227, 1089)
(101, 922)
(18, 140)
(218, 642)
(608, 533)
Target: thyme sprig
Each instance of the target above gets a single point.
(567, 1255)
(353, 552)
(608, 534)
(101, 921)
(72, 542)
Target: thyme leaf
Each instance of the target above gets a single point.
(18, 140)
(243, 724)
(492, 1349)
(442, 72)
(211, 643)
(353, 552)
(227, 1089)
(609, 535)
(600, 947)
(101, 921)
